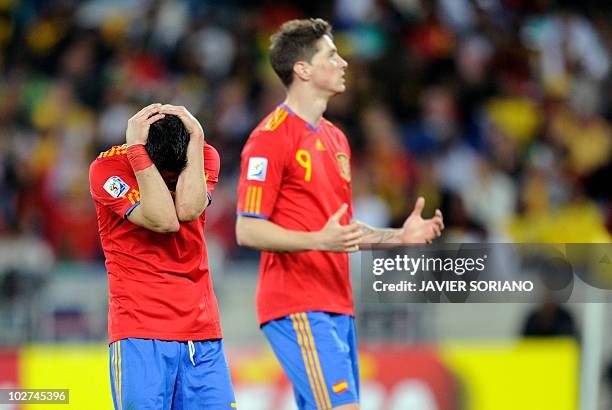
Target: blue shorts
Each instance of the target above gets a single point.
(165, 375)
(318, 352)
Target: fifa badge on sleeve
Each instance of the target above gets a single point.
(257, 169)
(116, 187)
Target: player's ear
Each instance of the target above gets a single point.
(302, 70)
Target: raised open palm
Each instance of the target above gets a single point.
(416, 229)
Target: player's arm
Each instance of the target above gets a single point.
(190, 199)
(156, 210)
(415, 230)
(264, 235)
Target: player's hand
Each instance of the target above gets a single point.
(419, 230)
(340, 238)
(191, 123)
(138, 126)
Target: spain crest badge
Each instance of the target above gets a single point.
(345, 166)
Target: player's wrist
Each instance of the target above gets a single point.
(407, 238)
(138, 157)
(315, 241)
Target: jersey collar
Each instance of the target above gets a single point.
(308, 125)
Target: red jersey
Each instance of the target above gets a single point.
(159, 283)
(297, 176)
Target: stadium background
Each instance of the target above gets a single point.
(498, 111)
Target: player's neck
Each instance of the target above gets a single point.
(306, 105)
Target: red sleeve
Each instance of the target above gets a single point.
(212, 165)
(261, 172)
(112, 183)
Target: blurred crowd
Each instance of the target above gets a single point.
(497, 111)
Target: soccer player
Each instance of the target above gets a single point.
(150, 194)
(294, 204)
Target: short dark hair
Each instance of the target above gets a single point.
(295, 40)
(167, 144)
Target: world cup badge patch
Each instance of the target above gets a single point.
(116, 187)
(345, 166)
(257, 169)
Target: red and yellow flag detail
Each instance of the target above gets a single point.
(253, 200)
(340, 387)
(133, 196)
(276, 120)
(116, 150)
